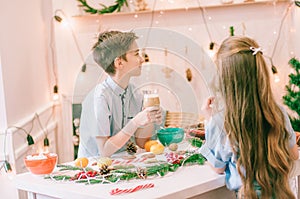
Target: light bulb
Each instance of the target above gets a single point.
(7, 166)
(276, 78)
(211, 53)
(55, 95)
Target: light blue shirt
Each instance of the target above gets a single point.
(102, 114)
(217, 149)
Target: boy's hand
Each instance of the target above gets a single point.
(147, 116)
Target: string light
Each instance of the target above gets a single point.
(46, 145)
(275, 72)
(211, 51)
(211, 44)
(274, 69)
(59, 19)
(5, 163)
(46, 140)
(64, 19)
(29, 138)
(55, 96)
(7, 166)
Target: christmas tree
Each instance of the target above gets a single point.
(292, 98)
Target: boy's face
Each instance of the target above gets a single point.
(133, 65)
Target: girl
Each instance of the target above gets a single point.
(251, 140)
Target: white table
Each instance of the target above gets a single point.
(184, 183)
(187, 182)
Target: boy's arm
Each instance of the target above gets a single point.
(142, 135)
(145, 119)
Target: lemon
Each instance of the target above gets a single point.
(81, 162)
(157, 149)
(149, 143)
(104, 160)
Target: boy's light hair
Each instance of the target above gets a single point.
(110, 45)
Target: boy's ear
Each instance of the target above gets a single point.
(118, 63)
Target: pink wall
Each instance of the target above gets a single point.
(24, 52)
(26, 62)
(260, 21)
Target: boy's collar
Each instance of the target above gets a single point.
(115, 87)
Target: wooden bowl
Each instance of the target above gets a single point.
(41, 164)
(197, 133)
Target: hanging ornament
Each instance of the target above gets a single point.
(167, 70)
(141, 5)
(145, 56)
(189, 74)
(188, 71)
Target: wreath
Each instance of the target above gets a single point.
(106, 9)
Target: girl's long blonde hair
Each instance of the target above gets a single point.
(253, 120)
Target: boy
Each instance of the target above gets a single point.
(111, 112)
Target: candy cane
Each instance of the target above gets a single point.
(117, 162)
(118, 191)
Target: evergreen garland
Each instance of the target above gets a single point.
(292, 98)
(94, 177)
(106, 9)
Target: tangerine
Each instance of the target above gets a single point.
(81, 162)
(149, 143)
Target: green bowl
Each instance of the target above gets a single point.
(170, 135)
